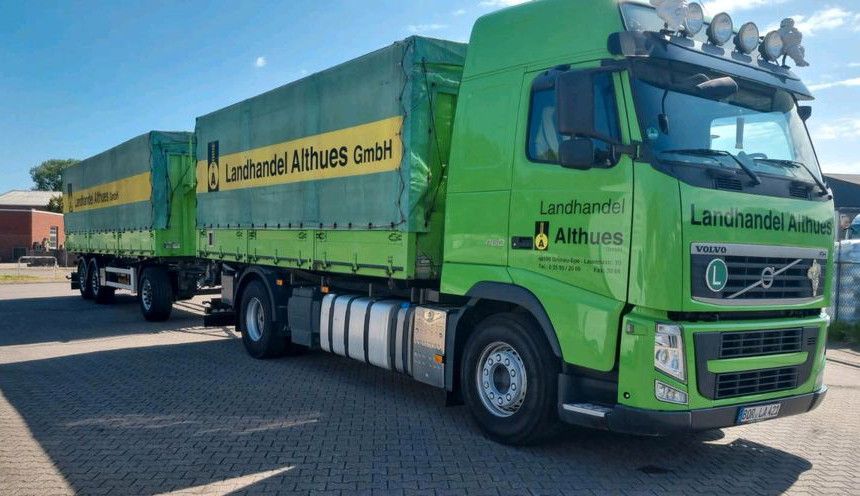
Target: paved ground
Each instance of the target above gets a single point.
(93, 400)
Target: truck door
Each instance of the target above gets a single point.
(570, 229)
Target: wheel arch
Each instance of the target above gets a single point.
(487, 298)
(269, 278)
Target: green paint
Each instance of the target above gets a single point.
(754, 363)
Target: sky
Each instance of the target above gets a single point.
(78, 77)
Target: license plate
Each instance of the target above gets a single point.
(758, 413)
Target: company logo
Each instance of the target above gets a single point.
(541, 236)
(717, 275)
(213, 171)
(767, 276)
(711, 249)
(814, 275)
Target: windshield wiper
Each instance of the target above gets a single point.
(706, 152)
(794, 163)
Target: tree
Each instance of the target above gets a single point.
(47, 176)
(55, 204)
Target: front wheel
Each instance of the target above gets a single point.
(260, 333)
(509, 378)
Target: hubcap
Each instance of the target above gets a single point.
(501, 379)
(255, 319)
(146, 294)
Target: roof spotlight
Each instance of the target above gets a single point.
(695, 19)
(747, 38)
(721, 29)
(772, 47)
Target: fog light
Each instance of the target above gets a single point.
(747, 38)
(668, 394)
(721, 29)
(772, 47)
(695, 20)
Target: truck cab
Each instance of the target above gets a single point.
(650, 203)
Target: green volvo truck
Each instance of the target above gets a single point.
(597, 213)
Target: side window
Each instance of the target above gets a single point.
(544, 139)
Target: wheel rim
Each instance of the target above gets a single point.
(94, 279)
(146, 294)
(500, 377)
(255, 319)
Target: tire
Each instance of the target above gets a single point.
(155, 294)
(511, 352)
(101, 294)
(260, 333)
(83, 279)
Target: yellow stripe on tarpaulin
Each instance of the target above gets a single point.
(365, 149)
(130, 189)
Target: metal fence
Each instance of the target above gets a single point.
(846, 284)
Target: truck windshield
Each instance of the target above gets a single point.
(757, 132)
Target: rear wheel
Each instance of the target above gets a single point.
(260, 333)
(155, 294)
(101, 294)
(83, 280)
(510, 380)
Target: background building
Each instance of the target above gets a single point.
(27, 228)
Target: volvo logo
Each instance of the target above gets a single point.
(711, 249)
(767, 276)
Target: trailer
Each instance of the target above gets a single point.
(129, 216)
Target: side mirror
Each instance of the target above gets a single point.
(576, 153)
(575, 93)
(805, 112)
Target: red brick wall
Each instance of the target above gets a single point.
(22, 228)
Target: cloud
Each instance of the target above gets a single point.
(845, 83)
(458, 12)
(853, 64)
(260, 62)
(846, 128)
(826, 19)
(501, 3)
(425, 28)
(713, 7)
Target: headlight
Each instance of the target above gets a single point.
(721, 29)
(695, 20)
(667, 393)
(669, 351)
(772, 47)
(747, 38)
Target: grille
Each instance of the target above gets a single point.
(753, 343)
(799, 192)
(745, 271)
(758, 381)
(728, 184)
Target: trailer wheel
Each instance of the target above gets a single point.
(155, 294)
(259, 332)
(101, 294)
(83, 280)
(510, 380)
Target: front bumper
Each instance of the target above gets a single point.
(643, 422)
